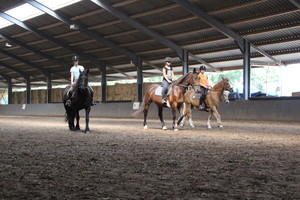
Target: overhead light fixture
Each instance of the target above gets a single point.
(8, 44)
(74, 27)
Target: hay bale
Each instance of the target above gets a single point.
(118, 88)
(97, 93)
(43, 96)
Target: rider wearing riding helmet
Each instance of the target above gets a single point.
(168, 77)
(76, 69)
(75, 72)
(205, 86)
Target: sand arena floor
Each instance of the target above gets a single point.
(41, 159)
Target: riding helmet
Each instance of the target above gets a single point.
(168, 59)
(75, 58)
(202, 67)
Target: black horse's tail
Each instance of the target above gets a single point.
(139, 111)
(68, 114)
(66, 117)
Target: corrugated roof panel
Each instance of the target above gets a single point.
(245, 10)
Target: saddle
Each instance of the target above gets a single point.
(159, 89)
(198, 94)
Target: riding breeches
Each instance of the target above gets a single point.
(165, 86)
(203, 94)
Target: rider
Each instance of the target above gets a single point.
(75, 72)
(168, 77)
(205, 86)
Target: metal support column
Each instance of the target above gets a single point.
(9, 92)
(247, 69)
(139, 80)
(185, 61)
(49, 89)
(103, 83)
(28, 90)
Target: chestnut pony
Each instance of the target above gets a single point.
(214, 96)
(175, 98)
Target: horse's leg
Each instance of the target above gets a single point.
(217, 115)
(184, 114)
(174, 118)
(180, 109)
(160, 115)
(77, 119)
(87, 119)
(146, 108)
(70, 118)
(188, 113)
(209, 118)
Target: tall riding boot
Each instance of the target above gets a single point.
(201, 99)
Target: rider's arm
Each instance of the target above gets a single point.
(165, 75)
(72, 78)
(173, 76)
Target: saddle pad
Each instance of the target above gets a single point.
(158, 91)
(196, 96)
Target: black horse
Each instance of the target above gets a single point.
(82, 96)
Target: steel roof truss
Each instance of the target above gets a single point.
(221, 27)
(81, 28)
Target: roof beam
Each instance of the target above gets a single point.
(5, 76)
(295, 3)
(105, 5)
(43, 35)
(33, 50)
(24, 74)
(179, 50)
(98, 63)
(221, 27)
(81, 28)
(45, 72)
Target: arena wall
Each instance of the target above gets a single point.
(117, 92)
(274, 110)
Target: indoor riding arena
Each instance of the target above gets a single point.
(123, 45)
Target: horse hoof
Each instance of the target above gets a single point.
(220, 126)
(193, 126)
(72, 129)
(209, 127)
(175, 129)
(164, 128)
(145, 127)
(87, 131)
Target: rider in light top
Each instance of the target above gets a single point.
(168, 77)
(75, 72)
(76, 69)
(205, 86)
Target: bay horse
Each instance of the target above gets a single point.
(81, 99)
(215, 95)
(175, 98)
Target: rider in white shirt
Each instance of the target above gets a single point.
(76, 69)
(75, 72)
